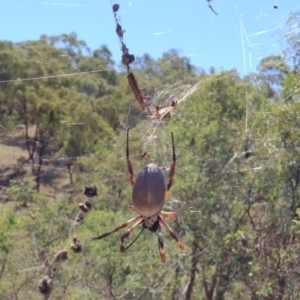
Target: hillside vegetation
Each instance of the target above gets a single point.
(236, 185)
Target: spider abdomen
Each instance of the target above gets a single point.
(149, 191)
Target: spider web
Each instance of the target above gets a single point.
(256, 32)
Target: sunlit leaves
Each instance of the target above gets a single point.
(237, 214)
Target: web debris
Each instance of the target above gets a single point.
(145, 102)
(208, 2)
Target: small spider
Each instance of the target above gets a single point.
(148, 196)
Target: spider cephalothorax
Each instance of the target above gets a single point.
(151, 223)
(148, 196)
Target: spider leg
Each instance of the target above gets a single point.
(171, 214)
(208, 2)
(117, 229)
(128, 162)
(212, 9)
(171, 232)
(172, 172)
(161, 244)
(127, 233)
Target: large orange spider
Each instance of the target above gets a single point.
(148, 195)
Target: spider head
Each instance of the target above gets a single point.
(151, 223)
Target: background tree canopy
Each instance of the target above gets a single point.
(63, 115)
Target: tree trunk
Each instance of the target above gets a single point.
(195, 258)
(42, 147)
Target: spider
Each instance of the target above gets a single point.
(148, 196)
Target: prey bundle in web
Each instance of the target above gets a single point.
(151, 105)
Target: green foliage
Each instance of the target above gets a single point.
(20, 191)
(8, 222)
(236, 188)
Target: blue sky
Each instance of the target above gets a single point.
(243, 32)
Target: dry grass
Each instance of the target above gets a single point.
(12, 149)
(10, 155)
